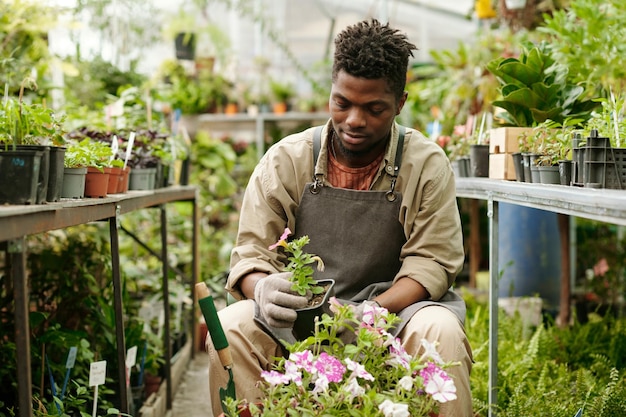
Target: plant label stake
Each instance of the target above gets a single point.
(53, 386)
(129, 147)
(205, 300)
(114, 148)
(69, 364)
(131, 360)
(97, 376)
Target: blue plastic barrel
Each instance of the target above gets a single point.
(530, 256)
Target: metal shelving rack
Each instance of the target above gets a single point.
(17, 222)
(597, 204)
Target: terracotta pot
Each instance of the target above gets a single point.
(114, 178)
(122, 186)
(96, 182)
(152, 383)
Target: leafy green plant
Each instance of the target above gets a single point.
(88, 153)
(22, 123)
(535, 88)
(299, 262)
(587, 38)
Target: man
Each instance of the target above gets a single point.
(379, 206)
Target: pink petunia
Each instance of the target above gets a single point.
(329, 367)
(358, 370)
(438, 384)
(303, 360)
(275, 377)
(282, 241)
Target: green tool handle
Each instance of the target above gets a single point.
(214, 326)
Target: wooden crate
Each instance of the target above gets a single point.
(501, 166)
(506, 139)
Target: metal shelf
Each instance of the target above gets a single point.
(597, 204)
(17, 222)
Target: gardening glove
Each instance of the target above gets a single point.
(347, 334)
(277, 301)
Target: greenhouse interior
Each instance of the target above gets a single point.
(176, 156)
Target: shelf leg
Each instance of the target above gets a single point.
(494, 275)
(119, 314)
(167, 343)
(22, 326)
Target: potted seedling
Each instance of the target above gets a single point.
(318, 292)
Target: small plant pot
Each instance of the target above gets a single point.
(304, 326)
(518, 163)
(185, 44)
(565, 171)
(526, 162)
(96, 182)
(534, 169)
(142, 179)
(479, 160)
(73, 182)
(114, 180)
(549, 174)
(122, 186)
(55, 176)
(19, 176)
(44, 170)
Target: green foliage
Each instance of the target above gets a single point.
(23, 123)
(549, 371)
(88, 153)
(587, 38)
(202, 93)
(535, 88)
(23, 39)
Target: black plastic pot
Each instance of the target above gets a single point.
(19, 176)
(44, 170)
(304, 326)
(479, 160)
(518, 163)
(185, 44)
(55, 173)
(565, 172)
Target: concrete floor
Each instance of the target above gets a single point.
(192, 397)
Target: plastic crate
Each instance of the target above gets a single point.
(616, 171)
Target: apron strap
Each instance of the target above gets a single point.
(317, 146)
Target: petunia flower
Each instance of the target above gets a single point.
(438, 384)
(282, 241)
(329, 367)
(358, 370)
(430, 351)
(391, 409)
(275, 377)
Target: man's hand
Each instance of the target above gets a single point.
(277, 301)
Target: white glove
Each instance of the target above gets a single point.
(277, 301)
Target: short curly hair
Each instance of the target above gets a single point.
(372, 50)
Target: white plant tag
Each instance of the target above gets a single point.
(71, 357)
(97, 373)
(131, 357)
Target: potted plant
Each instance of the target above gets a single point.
(374, 376)
(535, 88)
(282, 93)
(303, 282)
(25, 126)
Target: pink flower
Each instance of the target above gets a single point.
(275, 377)
(282, 241)
(329, 367)
(303, 360)
(374, 315)
(358, 370)
(438, 384)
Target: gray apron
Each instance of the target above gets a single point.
(358, 235)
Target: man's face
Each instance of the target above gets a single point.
(362, 113)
